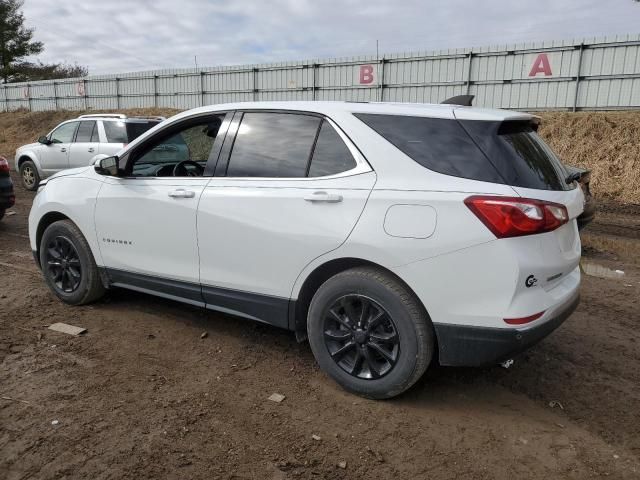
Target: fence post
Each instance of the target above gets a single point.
(55, 95)
(469, 71)
(155, 91)
(201, 88)
(314, 84)
(255, 84)
(575, 96)
(117, 93)
(84, 93)
(381, 79)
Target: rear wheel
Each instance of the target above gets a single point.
(29, 175)
(68, 265)
(370, 333)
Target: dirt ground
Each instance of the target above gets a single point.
(143, 396)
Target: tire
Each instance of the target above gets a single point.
(29, 175)
(63, 243)
(409, 325)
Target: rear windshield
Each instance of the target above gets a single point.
(521, 157)
(499, 152)
(126, 132)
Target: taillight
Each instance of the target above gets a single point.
(514, 216)
(4, 165)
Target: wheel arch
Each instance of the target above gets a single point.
(46, 220)
(300, 307)
(27, 156)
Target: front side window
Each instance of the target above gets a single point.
(64, 133)
(85, 131)
(273, 145)
(330, 156)
(183, 152)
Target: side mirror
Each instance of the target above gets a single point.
(107, 166)
(44, 140)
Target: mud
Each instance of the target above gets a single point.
(143, 396)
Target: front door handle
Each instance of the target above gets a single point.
(62, 149)
(182, 193)
(323, 197)
(91, 149)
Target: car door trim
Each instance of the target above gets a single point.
(254, 306)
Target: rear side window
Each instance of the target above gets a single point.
(440, 145)
(116, 132)
(519, 154)
(331, 156)
(85, 131)
(135, 128)
(273, 145)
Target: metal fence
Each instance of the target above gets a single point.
(586, 74)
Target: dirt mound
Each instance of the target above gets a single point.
(608, 143)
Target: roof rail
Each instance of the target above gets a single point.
(463, 100)
(104, 115)
(149, 117)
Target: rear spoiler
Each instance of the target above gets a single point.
(463, 100)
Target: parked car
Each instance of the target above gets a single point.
(583, 177)
(7, 196)
(76, 142)
(390, 235)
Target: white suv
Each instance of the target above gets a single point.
(390, 235)
(76, 142)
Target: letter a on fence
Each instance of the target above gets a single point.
(541, 65)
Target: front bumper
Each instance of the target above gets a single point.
(7, 195)
(471, 346)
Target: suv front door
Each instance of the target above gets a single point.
(55, 156)
(146, 219)
(86, 144)
(287, 190)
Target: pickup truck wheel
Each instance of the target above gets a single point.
(68, 265)
(29, 175)
(370, 333)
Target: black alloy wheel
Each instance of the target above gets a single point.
(361, 337)
(63, 264)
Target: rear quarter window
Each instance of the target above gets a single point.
(441, 145)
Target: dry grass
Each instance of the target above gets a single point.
(608, 143)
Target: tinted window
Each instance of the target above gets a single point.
(438, 144)
(273, 145)
(519, 154)
(116, 132)
(193, 142)
(331, 155)
(135, 128)
(64, 133)
(85, 131)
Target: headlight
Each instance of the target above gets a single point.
(41, 186)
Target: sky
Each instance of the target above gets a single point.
(116, 36)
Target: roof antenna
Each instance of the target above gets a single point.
(463, 100)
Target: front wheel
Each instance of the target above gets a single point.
(68, 265)
(370, 333)
(29, 175)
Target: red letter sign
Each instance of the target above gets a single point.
(366, 74)
(541, 65)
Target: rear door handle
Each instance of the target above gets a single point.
(182, 193)
(62, 149)
(91, 149)
(323, 197)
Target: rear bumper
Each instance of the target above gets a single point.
(7, 195)
(462, 345)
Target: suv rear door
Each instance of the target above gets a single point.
(288, 189)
